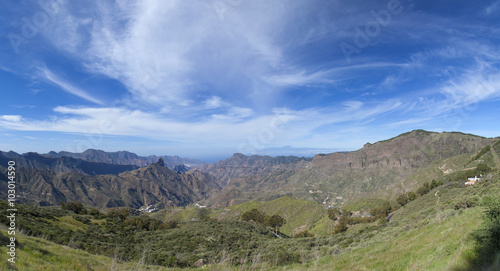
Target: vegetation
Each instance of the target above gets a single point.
(273, 221)
(483, 151)
(440, 224)
(431, 220)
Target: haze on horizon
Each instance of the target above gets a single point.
(206, 79)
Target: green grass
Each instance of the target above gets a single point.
(39, 254)
(299, 214)
(437, 246)
(69, 223)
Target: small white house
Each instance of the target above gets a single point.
(473, 180)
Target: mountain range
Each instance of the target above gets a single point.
(108, 179)
(383, 169)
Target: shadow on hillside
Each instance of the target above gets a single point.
(486, 255)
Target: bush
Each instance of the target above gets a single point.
(411, 195)
(466, 203)
(341, 225)
(483, 168)
(488, 237)
(402, 199)
(75, 206)
(424, 189)
(254, 215)
(381, 211)
(334, 214)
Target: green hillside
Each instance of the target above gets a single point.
(445, 225)
(38, 254)
(436, 231)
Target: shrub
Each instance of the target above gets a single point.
(334, 214)
(466, 203)
(411, 195)
(254, 215)
(76, 207)
(483, 168)
(341, 225)
(402, 199)
(424, 189)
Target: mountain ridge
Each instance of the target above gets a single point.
(126, 158)
(154, 184)
(335, 178)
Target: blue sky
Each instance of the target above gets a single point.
(206, 79)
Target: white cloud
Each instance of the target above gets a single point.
(214, 102)
(476, 85)
(353, 105)
(299, 78)
(11, 118)
(234, 114)
(164, 50)
(66, 86)
(491, 9)
(229, 129)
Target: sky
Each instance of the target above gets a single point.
(206, 79)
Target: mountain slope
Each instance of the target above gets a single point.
(62, 164)
(384, 167)
(126, 158)
(145, 186)
(251, 166)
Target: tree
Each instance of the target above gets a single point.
(341, 225)
(483, 168)
(254, 215)
(434, 184)
(402, 199)
(275, 222)
(123, 213)
(424, 189)
(382, 211)
(76, 207)
(411, 195)
(334, 214)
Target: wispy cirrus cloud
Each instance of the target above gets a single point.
(237, 123)
(66, 86)
(178, 71)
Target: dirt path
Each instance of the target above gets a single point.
(436, 194)
(495, 157)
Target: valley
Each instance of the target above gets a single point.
(398, 204)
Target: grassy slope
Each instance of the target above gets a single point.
(427, 234)
(436, 246)
(300, 214)
(39, 254)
